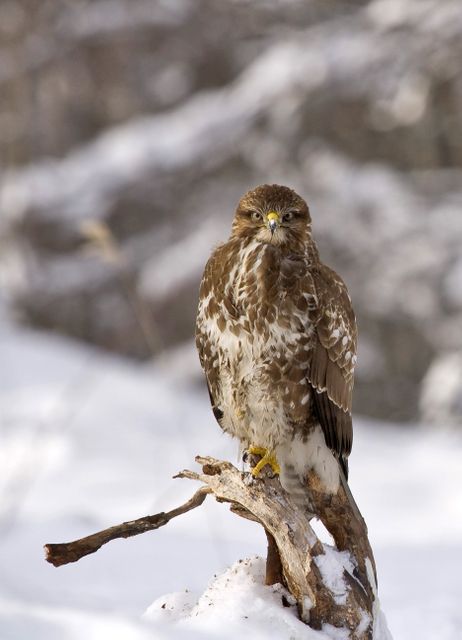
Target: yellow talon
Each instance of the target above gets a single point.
(266, 458)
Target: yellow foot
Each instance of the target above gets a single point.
(266, 458)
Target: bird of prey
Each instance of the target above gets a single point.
(276, 335)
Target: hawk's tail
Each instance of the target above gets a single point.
(343, 462)
(346, 488)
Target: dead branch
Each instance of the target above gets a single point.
(298, 547)
(285, 523)
(66, 552)
(342, 518)
(295, 555)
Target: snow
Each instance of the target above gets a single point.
(331, 565)
(88, 440)
(441, 395)
(235, 597)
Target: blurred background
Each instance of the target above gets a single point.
(128, 131)
(153, 117)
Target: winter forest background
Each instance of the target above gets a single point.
(128, 131)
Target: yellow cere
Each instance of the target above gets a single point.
(272, 215)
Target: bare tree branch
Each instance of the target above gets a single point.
(269, 503)
(296, 557)
(291, 537)
(63, 553)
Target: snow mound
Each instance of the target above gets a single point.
(235, 604)
(238, 604)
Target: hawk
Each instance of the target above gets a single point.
(276, 335)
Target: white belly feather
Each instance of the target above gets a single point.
(297, 457)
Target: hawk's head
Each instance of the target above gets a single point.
(272, 213)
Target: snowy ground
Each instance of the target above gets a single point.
(88, 440)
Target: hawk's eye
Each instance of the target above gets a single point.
(286, 217)
(256, 215)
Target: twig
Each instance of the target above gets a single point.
(64, 553)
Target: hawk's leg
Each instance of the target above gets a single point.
(267, 457)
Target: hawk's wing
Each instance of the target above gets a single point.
(333, 362)
(207, 352)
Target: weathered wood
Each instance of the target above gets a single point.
(342, 518)
(66, 552)
(266, 502)
(296, 557)
(274, 572)
(298, 547)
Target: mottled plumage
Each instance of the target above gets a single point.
(276, 336)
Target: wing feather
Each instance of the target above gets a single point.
(207, 354)
(332, 365)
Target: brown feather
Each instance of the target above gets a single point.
(332, 365)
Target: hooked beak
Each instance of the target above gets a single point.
(273, 221)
